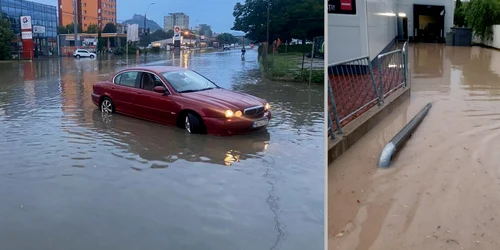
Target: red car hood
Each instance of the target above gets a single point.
(224, 98)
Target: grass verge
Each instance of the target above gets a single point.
(285, 67)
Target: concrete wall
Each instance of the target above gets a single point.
(495, 42)
(373, 27)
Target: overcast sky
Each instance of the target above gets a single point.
(216, 13)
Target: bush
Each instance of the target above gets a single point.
(481, 15)
(155, 49)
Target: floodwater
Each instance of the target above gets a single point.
(442, 190)
(73, 179)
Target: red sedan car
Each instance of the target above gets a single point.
(183, 98)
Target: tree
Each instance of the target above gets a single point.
(6, 38)
(92, 28)
(155, 36)
(481, 15)
(288, 19)
(205, 30)
(226, 38)
(459, 15)
(109, 28)
(170, 33)
(68, 29)
(100, 42)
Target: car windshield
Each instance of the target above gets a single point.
(188, 81)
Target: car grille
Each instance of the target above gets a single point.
(254, 111)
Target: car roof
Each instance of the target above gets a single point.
(155, 69)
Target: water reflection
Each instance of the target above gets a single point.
(158, 143)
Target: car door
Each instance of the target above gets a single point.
(124, 92)
(158, 107)
(85, 53)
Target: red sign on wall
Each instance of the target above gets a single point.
(346, 4)
(346, 7)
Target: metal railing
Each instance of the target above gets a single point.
(391, 71)
(353, 86)
(352, 90)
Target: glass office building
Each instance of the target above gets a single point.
(41, 15)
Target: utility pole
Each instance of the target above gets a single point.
(75, 24)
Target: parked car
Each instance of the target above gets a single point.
(183, 98)
(83, 53)
(226, 47)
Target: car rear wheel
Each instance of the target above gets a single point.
(193, 124)
(78, 56)
(107, 106)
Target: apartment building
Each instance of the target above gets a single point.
(89, 12)
(176, 19)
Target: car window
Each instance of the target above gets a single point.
(149, 81)
(117, 79)
(188, 81)
(128, 78)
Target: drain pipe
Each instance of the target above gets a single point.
(399, 140)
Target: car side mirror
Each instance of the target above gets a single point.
(160, 89)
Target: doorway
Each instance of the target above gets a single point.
(402, 28)
(428, 23)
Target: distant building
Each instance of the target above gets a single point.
(176, 19)
(89, 12)
(121, 28)
(43, 19)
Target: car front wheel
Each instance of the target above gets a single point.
(193, 124)
(91, 56)
(107, 106)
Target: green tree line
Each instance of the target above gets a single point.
(297, 19)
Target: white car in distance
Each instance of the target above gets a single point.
(83, 53)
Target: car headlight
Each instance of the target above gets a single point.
(267, 106)
(229, 113)
(238, 113)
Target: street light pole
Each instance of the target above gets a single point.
(145, 17)
(267, 36)
(75, 25)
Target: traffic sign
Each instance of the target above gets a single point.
(177, 30)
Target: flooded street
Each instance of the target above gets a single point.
(73, 179)
(442, 190)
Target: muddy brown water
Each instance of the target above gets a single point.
(71, 178)
(442, 190)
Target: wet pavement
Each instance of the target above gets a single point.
(71, 178)
(442, 189)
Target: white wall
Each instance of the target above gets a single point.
(366, 33)
(372, 29)
(347, 35)
(406, 6)
(382, 28)
(495, 41)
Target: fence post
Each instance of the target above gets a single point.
(330, 126)
(334, 107)
(380, 77)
